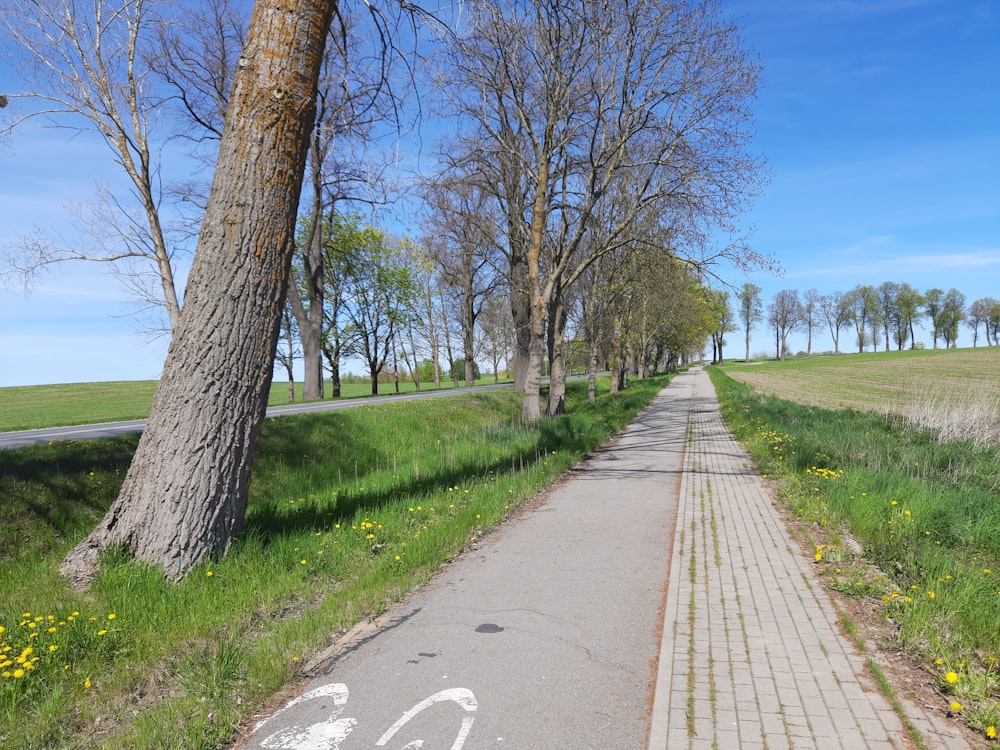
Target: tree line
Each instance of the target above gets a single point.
(596, 150)
(885, 315)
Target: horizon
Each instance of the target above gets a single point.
(882, 152)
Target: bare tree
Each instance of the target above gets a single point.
(496, 332)
(185, 492)
(571, 99)
(466, 250)
(354, 95)
(87, 63)
(288, 351)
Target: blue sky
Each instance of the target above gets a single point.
(880, 120)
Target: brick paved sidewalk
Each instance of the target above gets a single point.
(752, 657)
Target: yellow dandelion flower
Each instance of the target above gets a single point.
(991, 732)
(951, 677)
(112, 616)
(931, 594)
(86, 683)
(102, 632)
(209, 573)
(956, 706)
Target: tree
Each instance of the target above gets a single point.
(643, 104)
(981, 312)
(862, 304)
(352, 97)
(496, 334)
(722, 313)
(288, 351)
(466, 251)
(908, 304)
(88, 64)
(888, 294)
(811, 316)
(952, 314)
(185, 493)
(785, 315)
(993, 323)
(934, 309)
(977, 315)
(750, 310)
(379, 298)
(835, 313)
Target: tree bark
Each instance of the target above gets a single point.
(185, 494)
(557, 358)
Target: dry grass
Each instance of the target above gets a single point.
(956, 393)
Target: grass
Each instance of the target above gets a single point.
(896, 513)
(38, 406)
(349, 510)
(883, 381)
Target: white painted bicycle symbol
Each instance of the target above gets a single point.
(328, 734)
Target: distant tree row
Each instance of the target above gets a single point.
(596, 150)
(887, 314)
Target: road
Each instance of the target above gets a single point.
(113, 429)
(546, 635)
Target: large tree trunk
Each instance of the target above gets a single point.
(185, 493)
(557, 359)
(520, 308)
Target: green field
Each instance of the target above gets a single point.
(36, 406)
(897, 495)
(881, 381)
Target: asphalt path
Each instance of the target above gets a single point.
(113, 429)
(546, 635)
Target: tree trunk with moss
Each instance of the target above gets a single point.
(185, 494)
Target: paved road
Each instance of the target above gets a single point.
(651, 599)
(112, 429)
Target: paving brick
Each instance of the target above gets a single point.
(781, 673)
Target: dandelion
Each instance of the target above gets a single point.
(956, 706)
(86, 683)
(931, 594)
(102, 632)
(209, 573)
(951, 677)
(302, 562)
(991, 732)
(112, 616)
